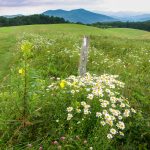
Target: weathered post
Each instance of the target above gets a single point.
(83, 56)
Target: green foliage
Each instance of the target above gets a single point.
(28, 20)
(135, 25)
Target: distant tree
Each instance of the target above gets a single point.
(29, 20)
(135, 25)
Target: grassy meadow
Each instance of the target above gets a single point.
(40, 88)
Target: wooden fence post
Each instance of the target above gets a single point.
(83, 56)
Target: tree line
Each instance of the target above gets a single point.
(43, 19)
(29, 20)
(135, 25)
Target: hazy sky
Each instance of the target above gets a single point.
(9, 7)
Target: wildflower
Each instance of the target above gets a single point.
(77, 137)
(100, 100)
(78, 110)
(98, 87)
(72, 91)
(62, 138)
(41, 148)
(88, 89)
(21, 71)
(55, 142)
(104, 103)
(62, 84)
(114, 112)
(69, 116)
(86, 111)
(85, 141)
(57, 120)
(98, 114)
(113, 105)
(83, 103)
(133, 110)
(113, 118)
(74, 83)
(112, 86)
(111, 94)
(103, 123)
(113, 131)
(107, 90)
(120, 117)
(105, 112)
(122, 105)
(126, 113)
(113, 99)
(107, 117)
(109, 122)
(87, 106)
(121, 133)
(69, 109)
(78, 122)
(26, 48)
(90, 96)
(109, 136)
(91, 148)
(120, 125)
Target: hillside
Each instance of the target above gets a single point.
(44, 104)
(8, 36)
(80, 15)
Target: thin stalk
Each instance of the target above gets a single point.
(25, 95)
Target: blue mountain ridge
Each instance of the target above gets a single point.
(80, 15)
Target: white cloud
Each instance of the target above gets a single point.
(127, 5)
(36, 6)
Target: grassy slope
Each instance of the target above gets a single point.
(8, 36)
(114, 49)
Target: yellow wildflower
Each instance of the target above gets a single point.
(74, 83)
(62, 84)
(26, 48)
(22, 71)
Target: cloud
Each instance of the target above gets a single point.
(127, 5)
(16, 3)
(8, 7)
(38, 6)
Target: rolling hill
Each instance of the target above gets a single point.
(80, 15)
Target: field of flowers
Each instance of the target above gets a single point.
(46, 105)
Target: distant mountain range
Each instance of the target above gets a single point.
(80, 15)
(12, 16)
(88, 17)
(127, 16)
(143, 17)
